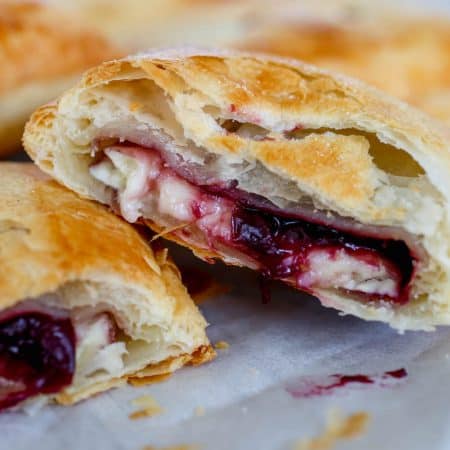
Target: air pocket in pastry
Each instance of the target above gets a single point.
(307, 176)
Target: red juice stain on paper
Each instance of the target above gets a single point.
(317, 386)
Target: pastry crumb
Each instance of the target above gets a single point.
(175, 447)
(148, 407)
(337, 428)
(134, 106)
(144, 381)
(222, 345)
(199, 411)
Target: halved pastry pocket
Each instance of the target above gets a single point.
(306, 176)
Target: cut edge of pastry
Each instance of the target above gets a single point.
(201, 355)
(352, 117)
(116, 308)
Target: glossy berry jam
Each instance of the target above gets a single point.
(300, 246)
(281, 245)
(37, 356)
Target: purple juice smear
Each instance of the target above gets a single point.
(309, 387)
(37, 355)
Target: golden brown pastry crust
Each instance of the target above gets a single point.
(50, 238)
(283, 91)
(406, 57)
(350, 148)
(359, 38)
(170, 365)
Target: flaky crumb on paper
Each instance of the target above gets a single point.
(222, 345)
(338, 428)
(175, 447)
(144, 381)
(199, 411)
(134, 106)
(148, 407)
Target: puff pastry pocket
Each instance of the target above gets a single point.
(42, 52)
(418, 48)
(84, 302)
(304, 175)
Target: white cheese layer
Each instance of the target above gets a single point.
(145, 184)
(96, 349)
(342, 271)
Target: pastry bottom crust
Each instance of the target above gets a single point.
(202, 354)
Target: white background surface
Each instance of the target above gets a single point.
(244, 392)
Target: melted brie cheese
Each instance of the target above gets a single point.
(96, 349)
(342, 271)
(145, 184)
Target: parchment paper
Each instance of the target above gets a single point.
(244, 392)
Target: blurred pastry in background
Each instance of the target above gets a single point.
(139, 24)
(406, 57)
(42, 52)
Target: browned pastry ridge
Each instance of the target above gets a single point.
(42, 51)
(68, 264)
(406, 57)
(406, 54)
(305, 175)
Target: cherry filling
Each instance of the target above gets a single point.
(286, 248)
(282, 244)
(37, 356)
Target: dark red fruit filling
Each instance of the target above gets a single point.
(280, 245)
(300, 246)
(281, 241)
(37, 356)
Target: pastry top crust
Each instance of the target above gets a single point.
(39, 42)
(50, 237)
(419, 49)
(298, 135)
(282, 96)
